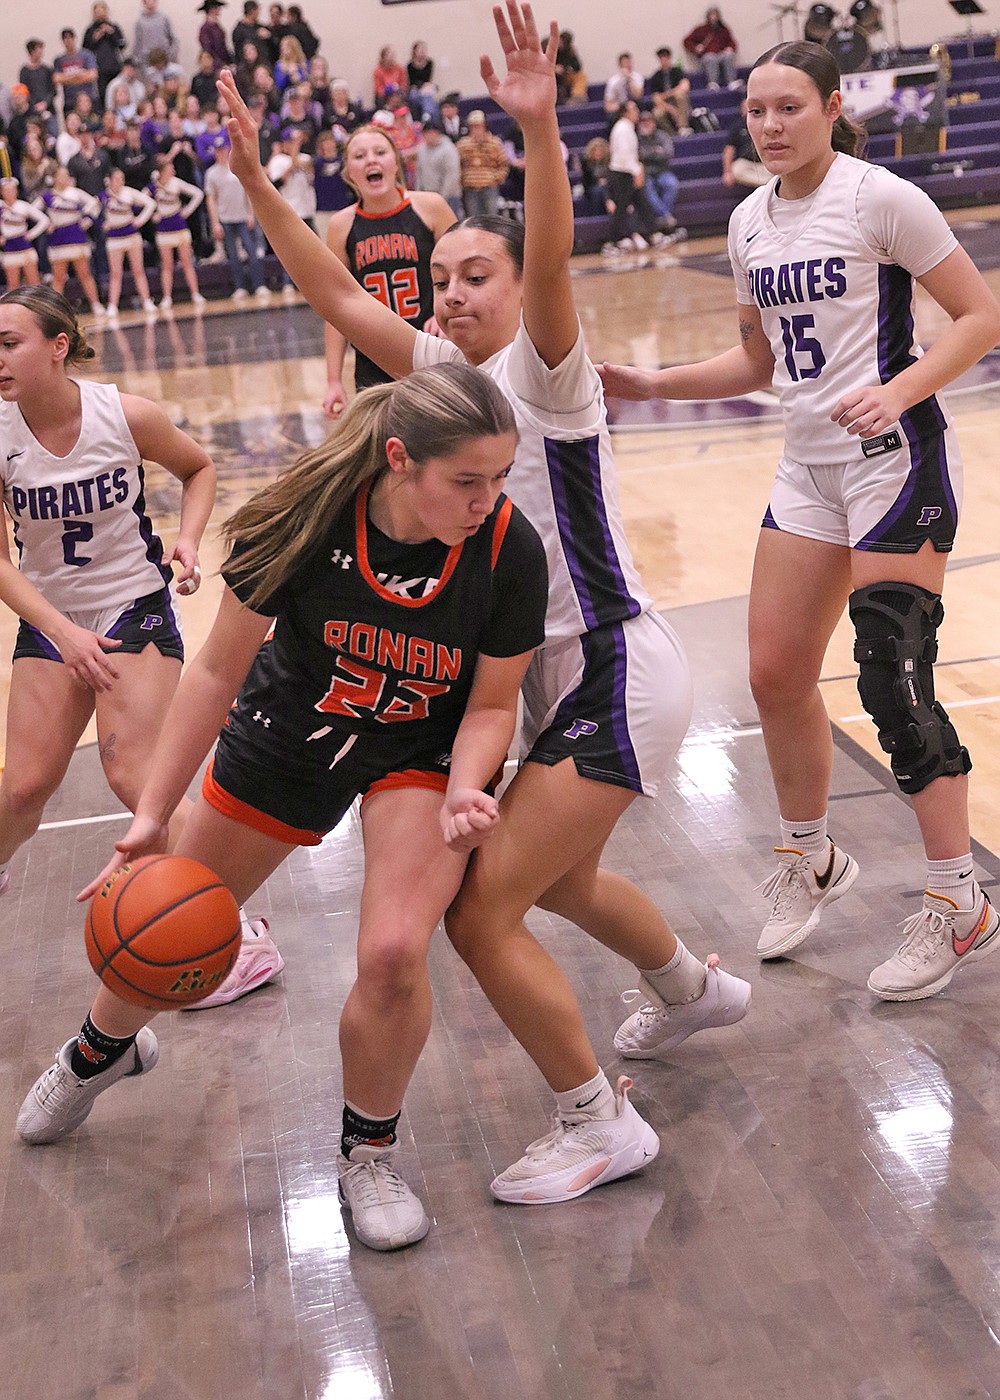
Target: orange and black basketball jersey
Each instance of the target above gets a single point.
(390, 255)
(373, 636)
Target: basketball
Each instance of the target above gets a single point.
(162, 932)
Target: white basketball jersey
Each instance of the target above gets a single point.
(563, 479)
(80, 523)
(833, 278)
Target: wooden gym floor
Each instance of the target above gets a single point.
(824, 1215)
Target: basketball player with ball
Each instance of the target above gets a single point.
(350, 683)
(99, 631)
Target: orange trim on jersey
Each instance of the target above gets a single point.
(246, 815)
(500, 530)
(407, 778)
(361, 544)
(359, 213)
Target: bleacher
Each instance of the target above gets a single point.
(965, 173)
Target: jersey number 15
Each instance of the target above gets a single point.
(797, 342)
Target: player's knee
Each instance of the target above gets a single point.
(896, 626)
(25, 797)
(779, 681)
(395, 966)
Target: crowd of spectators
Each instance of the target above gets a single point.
(105, 102)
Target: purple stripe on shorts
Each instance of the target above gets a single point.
(42, 642)
(585, 531)
(619, 708)
(558, 480)
(924, 424)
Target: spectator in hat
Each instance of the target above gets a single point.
(212, 36)
(656, 151)
(451, 120)
(232, 224)
(484, 166)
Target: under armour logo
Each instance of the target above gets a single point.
(150, 622)
(261, 718)
(929, 514)
(344, 560)
(580, 726)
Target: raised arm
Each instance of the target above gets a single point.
(748, 366)
(322, 279)
(528, 93)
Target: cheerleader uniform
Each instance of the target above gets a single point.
(124, 215)
(171, 211)
(20, 224)
(70, 213)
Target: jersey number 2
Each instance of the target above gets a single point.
(796, 342)
(76, 532)
(399, 293)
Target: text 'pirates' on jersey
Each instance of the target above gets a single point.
(832, 276)
(80, 523)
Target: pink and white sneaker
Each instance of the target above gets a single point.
(258, 962)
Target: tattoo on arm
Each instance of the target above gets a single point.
(746, 331)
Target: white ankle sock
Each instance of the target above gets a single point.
(595, 1099)
(681, 979)
(956, 878)
(809, 837)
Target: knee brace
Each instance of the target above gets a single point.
(896, 647)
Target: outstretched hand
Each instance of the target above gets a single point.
(528, 90)
(627, 382)
(144, 837)
(244, 158)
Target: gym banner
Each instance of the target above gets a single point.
(908, 101)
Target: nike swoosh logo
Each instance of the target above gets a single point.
(12, 455)
(965, 874)
(590, 1100)
(823, 880)
(798, 835)
(752, 236)
(962, 945)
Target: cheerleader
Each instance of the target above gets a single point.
(125, 212)
(71, 212)
(172, 232)
(20, 224)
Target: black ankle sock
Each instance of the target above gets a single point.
(94, 1051)
(373, 1132)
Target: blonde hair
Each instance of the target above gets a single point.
(373, 129)
(293, 51)
(433, 411)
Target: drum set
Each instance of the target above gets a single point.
(857, 39)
